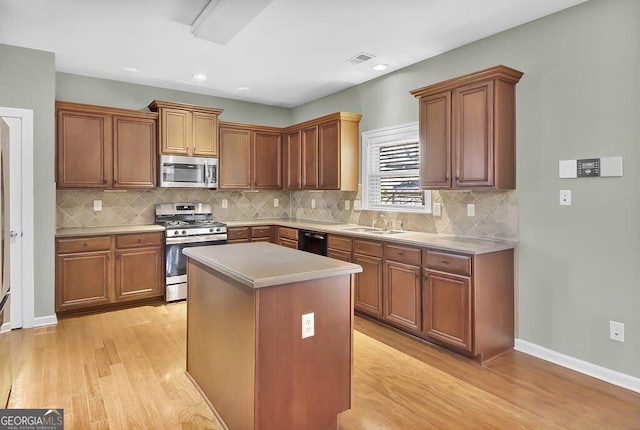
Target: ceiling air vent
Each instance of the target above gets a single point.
(360, 58)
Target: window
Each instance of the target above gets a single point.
(392, 170)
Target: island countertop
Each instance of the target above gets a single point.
(261, 264)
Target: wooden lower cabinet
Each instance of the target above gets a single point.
(83, 279)
(99, 271)
(447, 309)
(339, 255)
(368, 285)
(293, 244)
(139, 273)
(402, 295)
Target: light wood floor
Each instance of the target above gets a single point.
(125, 370)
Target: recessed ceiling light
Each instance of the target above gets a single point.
(200, 77)
(243, 88)
(381, 67)
(131, 69)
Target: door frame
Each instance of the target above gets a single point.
(23, 309)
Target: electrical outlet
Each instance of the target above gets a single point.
(347, 205)
(313, 203)
(225, 203)
(97, 205)
(276, 203)
(616, 331)
(308, 325)
(565, 197)
(357, 205)
(437, 209)
(471, 209)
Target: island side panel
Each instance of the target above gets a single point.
(221, 343)
(304, 383)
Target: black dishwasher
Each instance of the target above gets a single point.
(312, 241)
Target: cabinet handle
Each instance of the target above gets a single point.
(400, 253)
(446, 179)
(457, 178)
(444, 261)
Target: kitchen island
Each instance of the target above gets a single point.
(248, 350)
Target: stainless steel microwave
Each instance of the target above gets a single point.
(188, 172)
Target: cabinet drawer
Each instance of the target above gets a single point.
(367, 248)
(288, 243)
(339, 255)
(261, 231)
(138, 239)
(82, 244)
(402, 254)
(339, 242)
(238, 233)
(288, 233)
(447, 262)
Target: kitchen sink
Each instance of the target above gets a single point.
(388, 232)
(363, 229)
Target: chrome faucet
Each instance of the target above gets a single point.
(385, 220)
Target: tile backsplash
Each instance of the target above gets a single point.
(496, 211)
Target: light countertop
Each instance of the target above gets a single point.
(96, 231)
(442, 242)
(262, 264)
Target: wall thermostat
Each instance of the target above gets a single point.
(588, 167)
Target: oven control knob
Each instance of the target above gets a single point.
(184, 231)
(211, 230)
(176, 232)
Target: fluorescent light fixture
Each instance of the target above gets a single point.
(200, 77)
(381, 67)
(222, 20)
(243, 88)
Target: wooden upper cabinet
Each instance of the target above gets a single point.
(205, 134)
(330, 150)
(293, 159)
(187, 129)
(235, 158)
(83, 149)
(435, 140)
(309, 158)
(467, 131)
(134, 152)
(102, 147)
(267, 160)
(329, 155)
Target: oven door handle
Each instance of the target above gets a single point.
(195, 239)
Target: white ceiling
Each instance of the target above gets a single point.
(292, 52)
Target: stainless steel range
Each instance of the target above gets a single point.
(187, 225)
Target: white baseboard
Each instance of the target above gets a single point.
(45, 321)
(617, 378)
(5, 327)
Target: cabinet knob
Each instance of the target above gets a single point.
(446, 179)
(85, 244)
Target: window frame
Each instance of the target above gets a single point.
(379, 137)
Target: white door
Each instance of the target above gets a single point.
(20, 122)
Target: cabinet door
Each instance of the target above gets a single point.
(368, 290)
(329, 156)
(235, 159)
(83, 280)
(402, 295)
(435, 141)
(310, 158)
(205, 134)
(134, 152)
(293, 244)
(176, 132)
(139, 273)
(293, 161)
(447, 309)
(84, 150)
(267, 161)
(473, 135)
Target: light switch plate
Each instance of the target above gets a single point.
(276, 203)
(437, 209)
(357, 205)
(313, 203)
(565, 197)
(225, 203)
(97, 205)
(471, 209)
(347, 205)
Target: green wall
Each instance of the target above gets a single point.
(104, 92)
(578, 266)
(27, 81)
